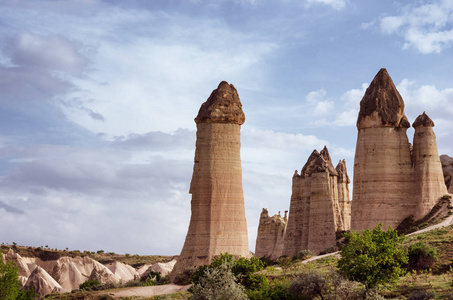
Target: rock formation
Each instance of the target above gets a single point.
(42, 283)
(67, 273)
(390, 182)
(217, 224)
(271, 234)
(429, 178)
(447, 168)
(319, 205)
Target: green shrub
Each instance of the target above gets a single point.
(89, 285)
(218, 283)
(9, 282)
(276, 290)
(421, 256)
(303, 255)
(373, 257)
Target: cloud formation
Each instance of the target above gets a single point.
(426, 28)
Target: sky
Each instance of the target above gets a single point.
(98, 100)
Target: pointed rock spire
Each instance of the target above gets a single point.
(223, 106)
(318, 162)
(383, 98)
(423, 120)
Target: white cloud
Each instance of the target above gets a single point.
(336, 4)
(424, 27)
(318, 105)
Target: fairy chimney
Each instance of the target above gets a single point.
(271, 234)
(392, 180)
(217, 223)
(429, 178)
(316, 213)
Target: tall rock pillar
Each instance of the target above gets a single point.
(217, 224)
(316, 213)
(429, 177)
(383, 178)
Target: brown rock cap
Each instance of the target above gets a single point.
(222, 106)
(383, 97)
(423, 120)
(318, 162)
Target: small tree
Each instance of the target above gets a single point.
(9, 282)
(373, 257)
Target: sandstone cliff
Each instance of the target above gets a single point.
(217, 223)
(319, 205)
(390, 182)
(447, 168)
(271, 234)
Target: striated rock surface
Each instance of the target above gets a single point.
(447, 168)
(123, 271)
(392, 181)
(429, 178)
(316, 211)
(217, 223)
(271, 234)
(42, 283)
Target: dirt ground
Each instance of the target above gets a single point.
(149, 291)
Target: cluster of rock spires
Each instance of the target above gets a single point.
(393, 180)
(65, 274)
(319, 208)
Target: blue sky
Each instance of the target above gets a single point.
(97, 101)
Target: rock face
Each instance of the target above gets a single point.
(217, 224)
(67, 273)
(319, 206)
(271, 235)
(447, 168)
(390, 182)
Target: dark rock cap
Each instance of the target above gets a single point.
(383, 97)
(423, 120)
(223, 106)
(318, 162)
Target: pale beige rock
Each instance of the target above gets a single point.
(447, 168)
(390, 182)
(164, 268)
(429, 178)
(122, 271)
(318, 209)
(42, 282)
(271, 235)
(217, 223)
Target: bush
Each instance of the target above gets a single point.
(421, 256)
(303, 255)
(89, 285)
(9, 282)
(276, 290)
(373, 257)
(420, 295)
(244, 269)
(218, 284)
